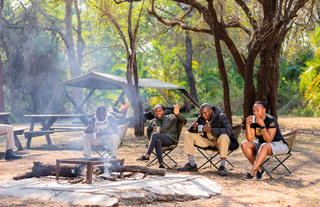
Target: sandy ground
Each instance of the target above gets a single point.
(302, 188)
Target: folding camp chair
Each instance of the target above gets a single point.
(166, 150)
(215, 151)
(102, 151)
(290, 137)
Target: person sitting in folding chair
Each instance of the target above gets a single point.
(7, 130)
(162, 131)
(212, 128)
(270, 141)
(102, 131)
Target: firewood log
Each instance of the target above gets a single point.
(40, 169)
(136, 168)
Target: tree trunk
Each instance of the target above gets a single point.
(2, 106)
(134, 97)
(188, 66)
(77, 93)
(268, 76)
(224, 78)
(248, 91)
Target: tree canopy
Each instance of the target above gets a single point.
(233, 53)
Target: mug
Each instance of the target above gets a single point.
(253, 119)
(157, 129)
(200, 128)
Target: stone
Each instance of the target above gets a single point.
(172, 187)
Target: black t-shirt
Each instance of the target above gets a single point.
(270, 122)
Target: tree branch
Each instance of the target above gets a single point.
(115, 23)
(175, 22)
(137, 24)
(184, 65)
(122, 1)
(239, 25)
(247, 11)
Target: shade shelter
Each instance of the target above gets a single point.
(102, 81)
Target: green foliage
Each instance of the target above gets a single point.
(310, 78)
(310, 85)
(289, 97)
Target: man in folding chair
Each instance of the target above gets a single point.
(7, 131)
(101, 131)
(163, 131)
(213, 129)
(270, 141)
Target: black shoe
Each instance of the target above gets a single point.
(188, 167)
(161, 166)
(222, 171)
(10, 155)
(248, 177)
(143, 158)
(260, 174)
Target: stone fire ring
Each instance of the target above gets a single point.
(172, 187)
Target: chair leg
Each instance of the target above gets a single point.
(154, 161)
(166, 154)
(268, 173)
(281, 162)
(226, 160)
(208, 159)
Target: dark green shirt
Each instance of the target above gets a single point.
(168, 124)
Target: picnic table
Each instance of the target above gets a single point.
(47, 121)
(4, 117)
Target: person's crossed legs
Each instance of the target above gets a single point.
(256, 153)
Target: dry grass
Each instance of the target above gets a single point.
(300, 189)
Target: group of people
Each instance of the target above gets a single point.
(213, 129)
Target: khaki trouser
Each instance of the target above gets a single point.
(7, 130)
(191, 139)
(110, 142)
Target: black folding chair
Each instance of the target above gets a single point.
(290, 137)
(215, 151)
(166, 150)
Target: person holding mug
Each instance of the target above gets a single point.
(212, 128)
(162, 131)
(266, 129)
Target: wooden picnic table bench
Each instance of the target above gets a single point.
(29, 134)
(16, 132)
(47, 121)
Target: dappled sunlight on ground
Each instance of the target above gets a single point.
(300, 189)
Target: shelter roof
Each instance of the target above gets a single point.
(96, 80)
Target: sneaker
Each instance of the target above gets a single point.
(188, 167)
(260, 174)
(162, 166)
(248, 177)
(143, 158)
(10, 155)
(222, 171)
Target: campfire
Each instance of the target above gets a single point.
(112, 169)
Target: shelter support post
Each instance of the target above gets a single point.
(164, 95)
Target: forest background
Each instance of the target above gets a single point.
(43, 42)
